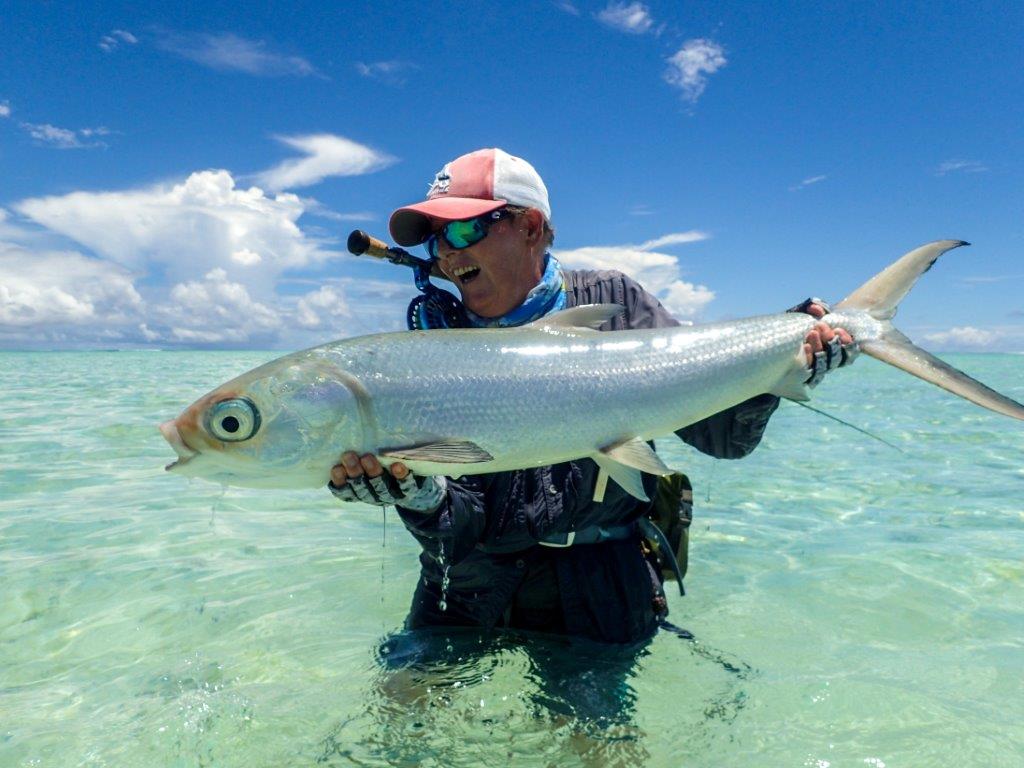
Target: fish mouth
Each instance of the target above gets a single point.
(169, 429)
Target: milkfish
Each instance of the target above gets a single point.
(468, 401)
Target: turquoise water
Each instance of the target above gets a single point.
(853, 606)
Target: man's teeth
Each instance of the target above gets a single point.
(464, 274)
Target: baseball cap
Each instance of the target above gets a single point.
(469, 186)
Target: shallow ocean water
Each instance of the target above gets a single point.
(852, 605)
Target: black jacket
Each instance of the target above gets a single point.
(483, 539)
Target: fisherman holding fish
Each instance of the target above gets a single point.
(551, 548)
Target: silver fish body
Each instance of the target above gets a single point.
(459, 402)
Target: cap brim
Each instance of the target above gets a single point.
(413, 224)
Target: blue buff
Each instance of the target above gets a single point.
(546, 297)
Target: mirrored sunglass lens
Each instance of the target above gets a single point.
(462, 234)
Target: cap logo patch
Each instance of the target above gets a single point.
(441, 183)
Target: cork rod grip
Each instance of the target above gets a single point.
(360, 243)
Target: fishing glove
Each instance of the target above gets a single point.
(834, 355)
(420, 494)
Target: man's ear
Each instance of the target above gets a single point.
(534, 226)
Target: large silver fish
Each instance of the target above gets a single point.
(461, 402)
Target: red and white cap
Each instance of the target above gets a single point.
(469, 186)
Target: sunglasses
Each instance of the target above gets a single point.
(463, 234)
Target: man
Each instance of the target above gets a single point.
(531, 548)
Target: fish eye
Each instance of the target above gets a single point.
(233, 420)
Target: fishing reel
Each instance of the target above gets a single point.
(434, 307)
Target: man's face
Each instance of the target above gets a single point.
(495, 274)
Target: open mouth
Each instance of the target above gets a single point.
(465, 275)
(170, 432)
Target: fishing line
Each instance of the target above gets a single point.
(848, 424)
(383, 563)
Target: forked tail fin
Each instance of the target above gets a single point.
(881, 295)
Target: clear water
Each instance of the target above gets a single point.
(852, 605)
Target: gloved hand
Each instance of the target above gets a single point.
(363, 479)
(826, 348)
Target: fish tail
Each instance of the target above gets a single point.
(880, 296)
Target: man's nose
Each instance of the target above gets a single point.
(443, 249)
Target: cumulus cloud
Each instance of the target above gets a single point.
(322, 308)
(5, 109)
(186, 228)
(116, 37)
(391, 72)
(657, 272)
(326, 155)
(135, 279)
(964, 337)
(690, 66)
(216, 310)
(568, 7)
(960, 166)
(64, 138)
(57, 296)
(228, 52)
(632, 18)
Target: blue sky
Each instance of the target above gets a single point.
(185, 175)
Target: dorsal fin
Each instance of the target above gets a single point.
(587, 316)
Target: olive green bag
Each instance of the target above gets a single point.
(672, 513)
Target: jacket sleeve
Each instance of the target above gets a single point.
(457, 525)
(730, 434)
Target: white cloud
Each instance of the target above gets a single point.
(117, 36)
(686, 300)
(990, 279)
(632, 18)
(55, 296)
(691, 65)
(5, 109)
(808, 182)
(657, 272)
(231, 53)
(64, 138)
(960, 166)
(138, 284)
(676, 238)
(322, 307)
(568, 7)
(964, 337)
(246, 258)
(186, 228)
(391, 72)
(641, 209)
(326, 155)
(216, 310)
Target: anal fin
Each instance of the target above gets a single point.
(623, 463)
(637, 454)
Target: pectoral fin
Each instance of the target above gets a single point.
(441, 452)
